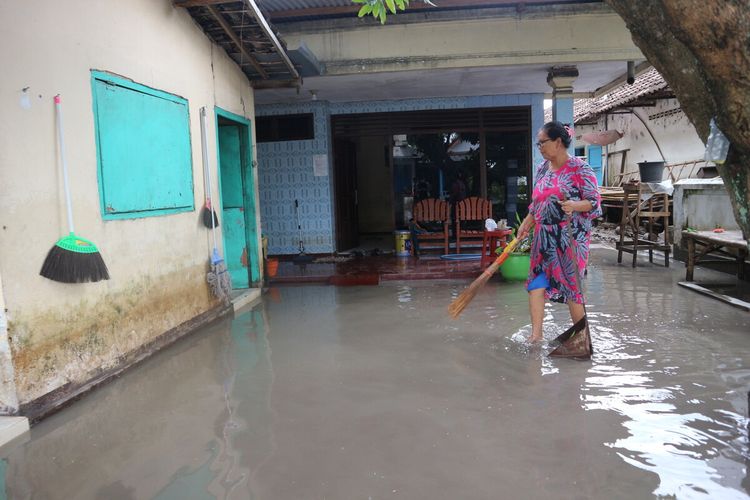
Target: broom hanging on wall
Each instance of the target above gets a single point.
(72, 259)
(208, 214)
(210, 219)
(217, 277)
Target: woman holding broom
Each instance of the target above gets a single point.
(565, 190)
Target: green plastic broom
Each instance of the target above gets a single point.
(72, 259)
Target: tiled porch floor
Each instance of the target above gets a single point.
(372, 270)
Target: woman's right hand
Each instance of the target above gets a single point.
(523, 229)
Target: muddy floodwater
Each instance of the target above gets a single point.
(321, 392)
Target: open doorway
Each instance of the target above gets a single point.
(364, 197)
(345, 193)
(385, 162)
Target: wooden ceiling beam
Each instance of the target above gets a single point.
(275, 84)
(199, 3)
(316, 11)
(230, 32)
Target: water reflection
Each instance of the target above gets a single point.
(404, 294)
(149, 434)
(325, 392)
(688, 442)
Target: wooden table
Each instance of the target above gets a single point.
(714, 243)
(491, 241)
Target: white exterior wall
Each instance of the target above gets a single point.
(60, 333)
(540, 35)
(675, 134)
(701, 204)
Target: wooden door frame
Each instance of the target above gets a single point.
(250, 198)
(337, 199)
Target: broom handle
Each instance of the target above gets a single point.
(207, 171)
(507, 251)
(58, 108)
(575, 259)
(571, 240)
(204, 154)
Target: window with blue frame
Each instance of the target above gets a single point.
(143, 149)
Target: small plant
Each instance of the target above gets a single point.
(379, 8)
(524, 246)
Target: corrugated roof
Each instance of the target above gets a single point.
(277, 5)
(317, 9)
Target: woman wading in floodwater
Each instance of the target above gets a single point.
(564, 185)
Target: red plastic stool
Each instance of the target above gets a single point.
(491, 241)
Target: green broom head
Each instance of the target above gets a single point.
(74, 260)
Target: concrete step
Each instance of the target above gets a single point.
(12, 428)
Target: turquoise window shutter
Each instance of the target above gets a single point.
(595, 162)
(143, 148)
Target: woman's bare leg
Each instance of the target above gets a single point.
(536, 309)
(576, 311)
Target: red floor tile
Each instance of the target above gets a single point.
(372, 270)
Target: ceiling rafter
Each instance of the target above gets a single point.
(236, 39)
(199, 3)
(239, 27)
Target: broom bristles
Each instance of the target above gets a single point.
(458, 305)
(66, 266)
(208, 214)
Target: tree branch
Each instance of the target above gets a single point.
(651, 32)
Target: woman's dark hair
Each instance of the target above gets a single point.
(557, 130)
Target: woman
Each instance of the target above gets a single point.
(565, 190)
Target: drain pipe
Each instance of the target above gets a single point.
(605, 168)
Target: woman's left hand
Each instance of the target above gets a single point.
(570, 206)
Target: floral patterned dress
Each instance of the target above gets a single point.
(551, 249)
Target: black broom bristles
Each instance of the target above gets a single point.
(207, 214)
(66, 266)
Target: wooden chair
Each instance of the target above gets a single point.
(432, 211)
(475, 210)
(653, 210)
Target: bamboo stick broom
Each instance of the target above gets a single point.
(458, 305)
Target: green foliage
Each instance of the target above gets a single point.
(524, 246)
(379, 8)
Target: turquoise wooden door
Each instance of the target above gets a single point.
(595, 162)
(235, 247)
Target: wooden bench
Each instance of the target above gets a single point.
(714, 243)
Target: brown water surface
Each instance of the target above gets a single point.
(372, 392)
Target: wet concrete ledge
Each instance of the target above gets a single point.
(63, 396)
(242, 298)
(12, 428)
